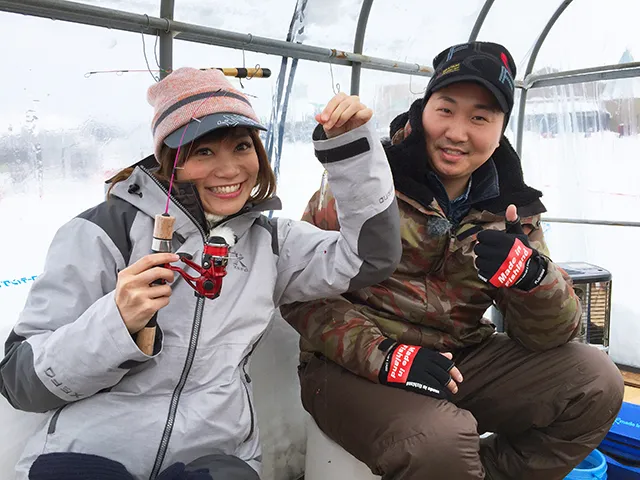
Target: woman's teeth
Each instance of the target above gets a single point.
(226, 189)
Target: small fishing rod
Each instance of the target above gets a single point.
(215, 257)
(241, 72)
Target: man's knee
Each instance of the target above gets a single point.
(438, 443)
(218, 465)
(599, 383)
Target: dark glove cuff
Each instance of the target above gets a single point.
(386, 344)
(536, 271)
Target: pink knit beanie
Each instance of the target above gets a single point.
(189, 103)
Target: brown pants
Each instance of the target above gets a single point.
(548, 412)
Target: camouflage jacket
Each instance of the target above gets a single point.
(435, 298)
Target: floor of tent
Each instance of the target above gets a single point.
(631, 385)
(632, 394)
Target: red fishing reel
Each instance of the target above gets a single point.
(214, 267)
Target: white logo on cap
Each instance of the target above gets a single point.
(232, 120)
(505, 77)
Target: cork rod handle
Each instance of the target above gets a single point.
(162, 235)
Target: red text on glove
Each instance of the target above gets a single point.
(401, 363)
(513, 267)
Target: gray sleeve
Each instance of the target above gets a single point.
(70, 341)
(315, 263)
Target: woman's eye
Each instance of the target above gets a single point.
(445, 110)
(203, 152)
(244, 146)
(480, 119)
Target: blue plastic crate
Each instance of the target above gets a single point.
(621, 446)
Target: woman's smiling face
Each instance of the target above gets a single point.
(224, 171)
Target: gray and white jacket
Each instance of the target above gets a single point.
(71, 356)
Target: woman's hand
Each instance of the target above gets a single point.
(342, 114)
(137, 300)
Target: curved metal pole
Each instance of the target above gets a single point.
(133, 22)
(356, 68)
(480, 20)
(275, 136)
(532, 61)
(584, 75)
(604, 223)
(166, 39)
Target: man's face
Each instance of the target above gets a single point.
(463, 126)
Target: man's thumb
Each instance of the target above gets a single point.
(513, 221)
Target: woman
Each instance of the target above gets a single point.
(73, 352)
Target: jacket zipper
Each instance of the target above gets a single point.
(175, 398)
(191, 352)
(195, 333)
(176, 203)
(54, 420)
(246, 388)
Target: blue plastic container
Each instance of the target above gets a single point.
(621, 446)
(594, 467)
(620, 471)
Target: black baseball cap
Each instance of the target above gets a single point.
(489, 64)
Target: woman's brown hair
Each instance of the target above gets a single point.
(264, 188)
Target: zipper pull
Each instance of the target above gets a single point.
(244, 366)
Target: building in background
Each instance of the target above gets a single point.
(622, 101)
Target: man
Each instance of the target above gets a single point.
(407, 374)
